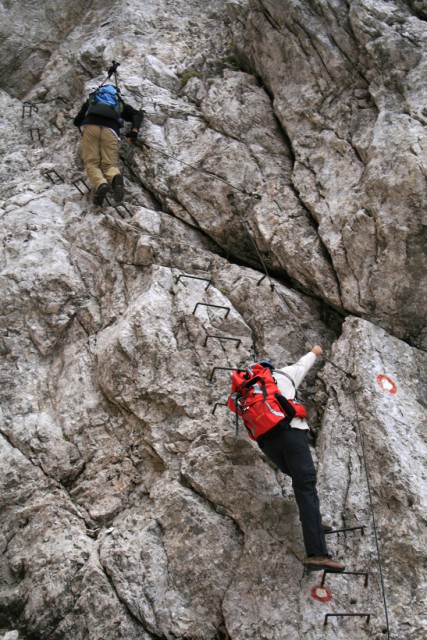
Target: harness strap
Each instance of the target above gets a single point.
(235, 396)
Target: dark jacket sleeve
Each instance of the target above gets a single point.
(132, 115)
(81, 114)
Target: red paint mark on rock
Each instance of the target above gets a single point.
(321, 593)
(386, 383)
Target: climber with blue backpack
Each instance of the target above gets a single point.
(266, 400)
(101, 118)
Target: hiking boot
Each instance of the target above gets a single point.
(118, 188)
(100, 193)
(322, 563)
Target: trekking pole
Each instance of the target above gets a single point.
(112, 70)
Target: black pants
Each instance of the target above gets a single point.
(289, 450)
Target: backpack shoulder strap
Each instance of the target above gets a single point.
(282, 373)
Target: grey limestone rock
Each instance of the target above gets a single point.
(275, 200)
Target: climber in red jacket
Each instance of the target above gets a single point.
(265, 398)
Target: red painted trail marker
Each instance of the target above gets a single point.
(321, 593)
(386, 383)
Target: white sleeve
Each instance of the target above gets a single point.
(299, 370)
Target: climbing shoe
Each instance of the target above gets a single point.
(118, 188)
(100, 193)
(323, 563)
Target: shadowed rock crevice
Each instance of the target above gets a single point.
(30, 35)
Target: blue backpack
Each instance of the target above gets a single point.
(105, 101)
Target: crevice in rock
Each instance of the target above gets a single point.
(10, 619)
(6, 543)
(349, 60)
(280, 275)
(218, 508)
(316, 49)
(219, 131)
(222, 633)
(82, 326)
(419, 12)
(267, 15)
(69, 483)
(54, 483)
(34, 464)
(131, 615)
(135, 178)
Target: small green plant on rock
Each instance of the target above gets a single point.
(231, 60)
(187, 75)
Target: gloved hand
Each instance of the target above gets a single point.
(131, 136)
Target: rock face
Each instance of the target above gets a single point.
(276, 202)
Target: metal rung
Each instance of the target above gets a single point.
(28, 106)
(122, 204)
(54, 100)
(211, 377)
(108, 200)
(48, 175)
(76, 184)
(116, 206)
(238, 340)
(349, 573)
(38, 133)
(217, 306)
(361, 527)
(184, 275)
(350, 615)
(263, 278)
(218, 404)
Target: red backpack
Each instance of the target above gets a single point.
(256, 398)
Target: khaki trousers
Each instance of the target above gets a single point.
(100, 154)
